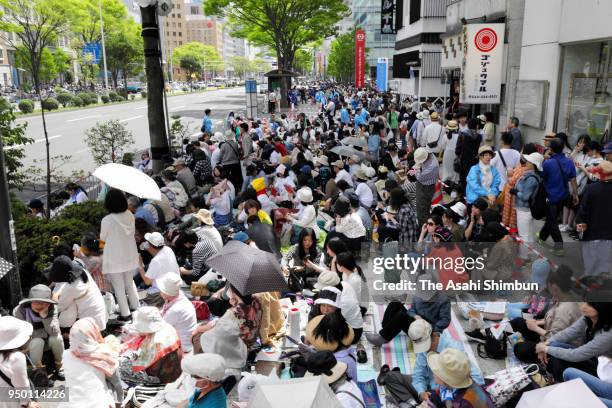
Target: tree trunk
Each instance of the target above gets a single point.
(155, 95)
(47, 144)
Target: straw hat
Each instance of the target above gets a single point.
(485, 148)
(207, 366)
(39, 293)
(338, 163)
(452, 125)
(434, 116)
(205, 217)
(534, 158)
(14, 332)
(451, 366)
(420, 334)
(320, 343)
(148, 320)
(325, 364)
(420, 155)
(322, 160)
(361, 175)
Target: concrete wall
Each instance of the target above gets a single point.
(547, 25)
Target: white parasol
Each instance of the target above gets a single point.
(128, 179)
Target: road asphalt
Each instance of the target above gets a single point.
(67, 129)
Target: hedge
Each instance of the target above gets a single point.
(105, 98)
(76, 101)
(64, 98)
(50, 104)
(87, 98)
(26, 106)
(115, 97)
(35, 237)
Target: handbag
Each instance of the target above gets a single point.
(369, 392)
(295, 282)
(201, 308)
(493, 348)
(509, 382)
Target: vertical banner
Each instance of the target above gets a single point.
(360, 38)
(382, 69)
(481, 68)
(387, 14)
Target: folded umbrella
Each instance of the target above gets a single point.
(354, 141)
(249, 270)
(128, 179)
(348, 151)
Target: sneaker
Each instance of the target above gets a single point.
(127, 318)
(476, 335)
(563, 227)
(59, 374)
(558, 252)
(540, 240)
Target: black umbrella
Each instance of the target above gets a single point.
(249, 270)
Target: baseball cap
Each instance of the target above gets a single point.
(420, 334)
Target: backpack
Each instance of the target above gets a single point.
(537, 202)
(493, 348)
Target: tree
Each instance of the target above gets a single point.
(13, 138)
(108, 141)
(241, 66)
(197, 58)
(36, 25)
(283, 26)
(63, 64)
(124, 51)
(303, 61)
(86, 26)
(48, 68)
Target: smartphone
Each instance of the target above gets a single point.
(294, 341)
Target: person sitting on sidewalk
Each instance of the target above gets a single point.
(434, 307)
(593, 330)
(423, 379)
(40, 311)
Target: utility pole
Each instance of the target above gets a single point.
(155, 84)
(8, 245)
(103, 46)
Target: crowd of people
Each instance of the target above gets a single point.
(365, 171)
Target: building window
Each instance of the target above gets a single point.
(415, 11)
(585, 101)
(180, 33)
(172, 15)
(1, 54)
(174, 33)
(180, 43)
(179, 15)
(179, 25)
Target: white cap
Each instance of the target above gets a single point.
(148, 319)
(420, 334)
(327, 278)
(535, 158)
(207, 366)
(170, 284)
(155, 238)
(329, 295)
(459, 208)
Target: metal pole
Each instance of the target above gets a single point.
(164, 58)
(155, 82)
(103, 46)
(8, 245)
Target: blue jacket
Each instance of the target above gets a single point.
(422, 377)
(475, 189)
(556, 188)
(207, 125)
(437, 311)
(358, 119)
(373, 143)
(344, 116)
(526, 187)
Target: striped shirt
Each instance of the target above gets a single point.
(427, 174)
(204, 249)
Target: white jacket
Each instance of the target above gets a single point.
(86, 383)
(120, 252)
(14, 367)
(78, 300)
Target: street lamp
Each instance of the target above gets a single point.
(103, 46)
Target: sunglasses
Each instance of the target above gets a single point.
(430, 223)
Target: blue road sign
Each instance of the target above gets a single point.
(250, 86)
(92, 52)
(382, 68)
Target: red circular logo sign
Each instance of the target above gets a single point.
(360, 36)
(485, 40)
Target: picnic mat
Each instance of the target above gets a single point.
(398, 352)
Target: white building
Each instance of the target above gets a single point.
(567, 51)
(417, 58)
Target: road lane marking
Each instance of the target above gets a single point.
(81, 151)
(177, 108)
(83, 118)
(132, 118)
(142, 107)
(34, 142)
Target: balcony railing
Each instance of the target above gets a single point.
(434, 8)
(431, 64)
